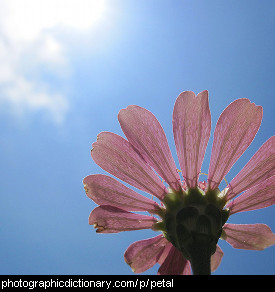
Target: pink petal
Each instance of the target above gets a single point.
(257, 197)
(105, 190)
(145, 133)
(143, 255)
(164, 253)
(174, 263)
(216, 259)
(191, 127)
(109, 219)
(180, 261)
(235, 130)
(117, 156)
(249, 236)
(260, 167)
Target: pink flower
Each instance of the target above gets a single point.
(190, 215)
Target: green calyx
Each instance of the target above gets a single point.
(192, 222)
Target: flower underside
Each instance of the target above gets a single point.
(192, 215)
(192, 221)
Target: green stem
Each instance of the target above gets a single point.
(200, 259)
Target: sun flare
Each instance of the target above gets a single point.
(26, 19)
(34, 35)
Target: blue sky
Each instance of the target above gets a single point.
(65, 74)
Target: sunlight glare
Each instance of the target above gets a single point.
(26, 19)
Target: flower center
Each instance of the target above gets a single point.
(193, 222)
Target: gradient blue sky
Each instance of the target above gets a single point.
(63, 79)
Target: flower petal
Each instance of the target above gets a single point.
(260, 167)
(164, 253)
(145, 133)
(105, 190)
(235, 130)
(117, 156)
(174, 264)
(257, 197)
(109, 219)
(143, 255)
(191, 127)
(248, 236)
(216, 259)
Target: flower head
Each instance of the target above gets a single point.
(191, 215)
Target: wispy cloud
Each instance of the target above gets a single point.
(29, 41)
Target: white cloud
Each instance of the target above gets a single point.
(29, 41)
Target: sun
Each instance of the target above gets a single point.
(26, 19)
(35, 37)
